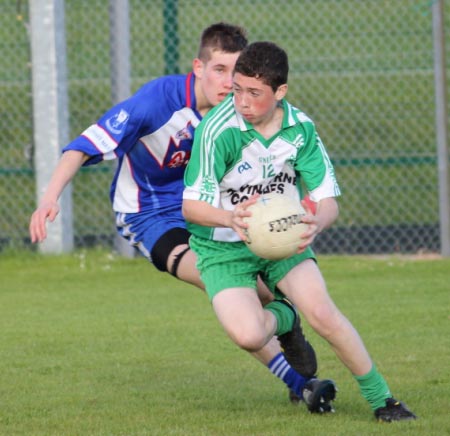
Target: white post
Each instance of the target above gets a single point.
(440, 82)
(120, 74)
(50, 111)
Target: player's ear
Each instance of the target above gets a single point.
(281, 92)
(197, 67)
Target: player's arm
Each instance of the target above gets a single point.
(68, 165)
(327, 211)
(202, 213)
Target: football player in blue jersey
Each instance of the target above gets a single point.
(151, 136)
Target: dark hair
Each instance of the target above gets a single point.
(266, 61)
(222, 37)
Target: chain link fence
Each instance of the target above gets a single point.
(362, 70)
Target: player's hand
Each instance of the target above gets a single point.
(309, 235)
(46, 211)
(239, 213)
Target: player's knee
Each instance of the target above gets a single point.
(250, 340)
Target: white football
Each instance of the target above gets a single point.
(275, 226)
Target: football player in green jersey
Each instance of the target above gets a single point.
(256, 142)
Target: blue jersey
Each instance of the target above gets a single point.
(151, 135)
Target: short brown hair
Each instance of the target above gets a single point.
(222, 37)
(266, 61)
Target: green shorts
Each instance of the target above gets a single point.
(225, 265)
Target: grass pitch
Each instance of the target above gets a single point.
(94, 344)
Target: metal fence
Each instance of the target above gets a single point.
(364, 71)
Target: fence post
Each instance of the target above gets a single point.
(50, 111)
(440, 82)
(119, 36)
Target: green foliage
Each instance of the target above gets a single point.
(94, 344)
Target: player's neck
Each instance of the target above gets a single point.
(270, 125)
(203, 104)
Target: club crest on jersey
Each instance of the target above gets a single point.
(117, 122)
(184, 133)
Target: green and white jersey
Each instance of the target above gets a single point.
(231, 161)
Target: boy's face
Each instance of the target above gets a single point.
(255, 100)
(215, 76)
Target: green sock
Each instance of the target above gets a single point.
(373, 388)
(284, 314)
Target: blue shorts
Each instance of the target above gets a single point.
(143, 229)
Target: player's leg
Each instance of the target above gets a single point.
(162, 238)
(250, 325)
(171, 253)
(296, 349)
(305, 286)
(299, 353)
(253, 327)
(164, 241)
(181, 262)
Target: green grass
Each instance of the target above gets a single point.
(94, 344)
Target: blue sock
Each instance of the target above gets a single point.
(280, 367)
